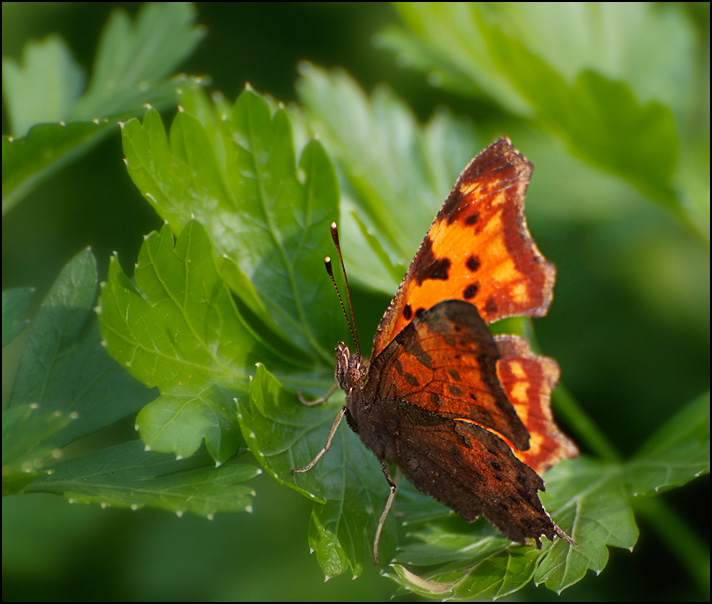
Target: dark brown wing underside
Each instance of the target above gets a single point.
(466, 467)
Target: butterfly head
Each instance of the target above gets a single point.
(350, 368)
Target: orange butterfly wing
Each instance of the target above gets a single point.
(478, 249)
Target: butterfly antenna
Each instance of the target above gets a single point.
(327, 262)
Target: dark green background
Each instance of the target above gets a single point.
(625, 327)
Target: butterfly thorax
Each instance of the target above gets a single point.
(351, 371)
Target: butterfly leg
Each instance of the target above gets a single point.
(319, 455)
(384, 515)
(317, 401)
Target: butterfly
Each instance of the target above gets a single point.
(466, 416)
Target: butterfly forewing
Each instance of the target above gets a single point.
(478, 249)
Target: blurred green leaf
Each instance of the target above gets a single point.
(46, 148)
(394, 173)
(66, 385)
(45, 88)
(52, 123)
(595, 74)
(135, 60)
(15, 303)
(678, 452)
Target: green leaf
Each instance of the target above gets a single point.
(677, 453)
(348, 483)
(182, 333)
(125, 476)
(237, 175)
(53, 124)
(66, 385)
(181, 419)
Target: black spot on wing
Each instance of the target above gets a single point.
(472, 263)
(429, 266)
(470, 291)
